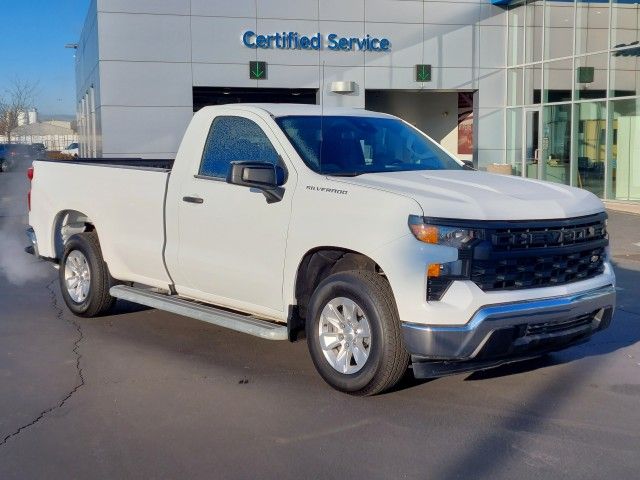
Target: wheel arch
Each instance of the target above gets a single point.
(66, 224)
(320, 262)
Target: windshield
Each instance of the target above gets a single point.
(357, 145)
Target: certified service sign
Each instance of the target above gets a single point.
(333, 41)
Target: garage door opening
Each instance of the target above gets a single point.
(445, 116)
(205, 96)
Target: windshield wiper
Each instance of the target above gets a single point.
(343, 174)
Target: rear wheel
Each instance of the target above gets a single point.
(84, 277)
(353, 333)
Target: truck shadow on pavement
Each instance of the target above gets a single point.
(124, 307)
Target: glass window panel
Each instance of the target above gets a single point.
(234, 139)
(343, 144)
(556, 143)
(625, 73)
(625, 22)
(590, 126)
(514, 86)
(591, 76)
(514, 140)
(558, 29)
(624, 137)
(592, 26)
(558, 80)
(532, 84)
(534, 22)
(516, 35)
(531, 142)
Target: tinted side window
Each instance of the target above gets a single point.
(233, 139)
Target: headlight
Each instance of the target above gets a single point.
(455, 237)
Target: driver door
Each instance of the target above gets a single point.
(231, 241)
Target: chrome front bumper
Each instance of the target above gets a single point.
(514, 329)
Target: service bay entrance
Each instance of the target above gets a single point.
(204, 96)
(446, 116)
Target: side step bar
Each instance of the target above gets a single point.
(222, 318)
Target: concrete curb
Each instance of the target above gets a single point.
(633, 208)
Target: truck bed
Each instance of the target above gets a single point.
(124, 198)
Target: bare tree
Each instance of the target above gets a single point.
(17, 100)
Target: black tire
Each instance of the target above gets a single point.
(98, 301)
(388, 358)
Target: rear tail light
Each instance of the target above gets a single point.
(30, 173)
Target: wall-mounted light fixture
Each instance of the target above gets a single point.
(343, 87)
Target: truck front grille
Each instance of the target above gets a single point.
(538, 271)
(540, 254)
(572, 232)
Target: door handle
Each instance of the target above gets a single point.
(192, 199)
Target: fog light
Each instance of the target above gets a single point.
(433, 270)
(441, 275)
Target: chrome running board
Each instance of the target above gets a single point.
(188, 308)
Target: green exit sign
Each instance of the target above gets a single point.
(257, 70)
(423, 73)
(585, 74)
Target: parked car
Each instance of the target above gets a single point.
(351, 226)
(39, 149)
(71, 150)
(11, 154)
(4, 160)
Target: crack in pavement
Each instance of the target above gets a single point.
(76, 346)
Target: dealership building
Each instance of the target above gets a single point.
(546, 89)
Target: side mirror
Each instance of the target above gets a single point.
(467, 165)
(264, 176)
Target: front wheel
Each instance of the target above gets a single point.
(84, 277)
(353, 333)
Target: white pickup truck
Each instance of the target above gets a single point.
(349, 226)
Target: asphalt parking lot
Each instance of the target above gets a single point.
(147, 394)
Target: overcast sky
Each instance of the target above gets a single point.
(33, 34)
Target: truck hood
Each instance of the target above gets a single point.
(464, 194)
